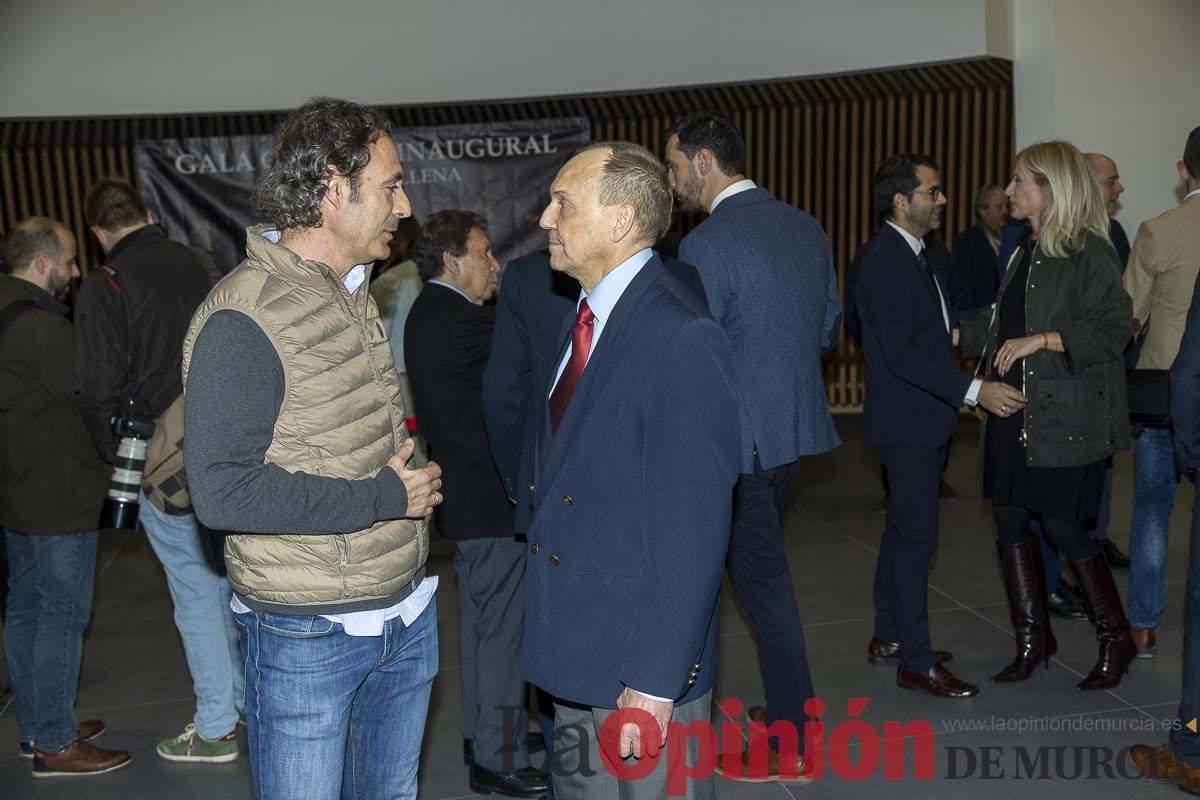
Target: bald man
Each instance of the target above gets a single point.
(1108, 178)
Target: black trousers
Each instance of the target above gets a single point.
(762, 580)
(905, 550)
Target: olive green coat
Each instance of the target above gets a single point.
(1076, 409)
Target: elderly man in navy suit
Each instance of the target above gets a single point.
(914, 392)
(636, 462)
(768, 272)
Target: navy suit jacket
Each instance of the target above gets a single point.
(914, 389)
(976, 269)
(768, 272)
(633, 505)
(533, 304)
(446, 342)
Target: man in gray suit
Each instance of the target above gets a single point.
(768, 272)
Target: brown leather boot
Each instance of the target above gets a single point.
(1025, 583)
(78, 758)
(1103, 603)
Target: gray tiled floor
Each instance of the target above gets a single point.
(135, 676)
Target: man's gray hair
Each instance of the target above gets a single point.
(30, 238)
(986, 191)
(633, 175)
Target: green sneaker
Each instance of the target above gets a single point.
(191, 746)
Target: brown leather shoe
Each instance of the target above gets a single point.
(1147, 644)
(747, 775)
(1161, 764)
(939, 682)
(1155, 763)
(880, 652)
(88, 730)
(78, 758)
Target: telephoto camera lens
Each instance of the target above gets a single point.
(120, 508)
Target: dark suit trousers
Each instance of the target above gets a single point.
(908, 544)
(762, 579)
(491, 608)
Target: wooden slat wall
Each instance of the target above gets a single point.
(813, 142)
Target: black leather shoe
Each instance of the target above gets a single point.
(534, 743)
(527, 782)
(881, 652)
(1062, 606)
(1113, 555)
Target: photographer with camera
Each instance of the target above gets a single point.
(130, 320)
(51, 485)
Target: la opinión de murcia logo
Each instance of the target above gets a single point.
(853, 750)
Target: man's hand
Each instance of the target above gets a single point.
(422, 484)
(1014, 350)
(631, 743)
(1000, 398)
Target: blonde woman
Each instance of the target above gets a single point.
(1056, 333)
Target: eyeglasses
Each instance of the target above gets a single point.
(932, 191)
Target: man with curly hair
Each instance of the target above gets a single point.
(297, 445)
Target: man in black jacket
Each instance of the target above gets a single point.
(977, 249)
(446, 342)
(130, 320)
(51, 487)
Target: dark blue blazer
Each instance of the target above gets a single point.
(976, 269)
(768, 272)
(914, 389)
(1185, 391)
(633, 505)
(533, 303)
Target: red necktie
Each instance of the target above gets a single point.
(581, 345)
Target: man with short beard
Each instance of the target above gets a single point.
(768, 272)
(1108, 178)
(914, 392)
(52, 484)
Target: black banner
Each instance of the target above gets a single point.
(200, 189)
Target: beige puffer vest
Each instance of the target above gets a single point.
(342, 417)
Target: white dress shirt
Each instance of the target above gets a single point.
(731, 190)
(917, 245)
(603, 299)
(370, 623)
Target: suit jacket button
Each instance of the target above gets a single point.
(567, 500)
(554, 559)
(532, 488)
(533, 548)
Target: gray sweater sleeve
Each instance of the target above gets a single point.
(234, 393)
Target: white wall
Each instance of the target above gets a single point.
(1114, 76)
(113, 57)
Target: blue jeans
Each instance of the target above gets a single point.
(331, 715)
(49, 604)
(1185, 743)
(202, 615)
(1153, 496)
